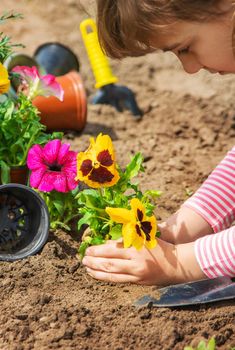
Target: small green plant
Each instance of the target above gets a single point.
(5, 43)
(114, 207)
(202, 345)
(19, 118)
(188, 192)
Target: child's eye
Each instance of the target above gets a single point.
(183, 51)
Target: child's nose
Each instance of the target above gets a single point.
(190, 64)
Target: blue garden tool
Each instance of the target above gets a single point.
(118, 96)
(192, 293)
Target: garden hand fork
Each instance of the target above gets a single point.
(118, 96)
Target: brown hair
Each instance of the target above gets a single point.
(125, 26)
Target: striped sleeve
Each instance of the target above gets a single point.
(216, 253)
(215, 199)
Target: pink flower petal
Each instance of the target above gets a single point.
(71, 182)
(64, 149)
(47, 183)
(48, 86)
(70, 161)
(60, 183)
(54, 153)
(35, 157)
(29, 74)
(36, 177)
(51, 150)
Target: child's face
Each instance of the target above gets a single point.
(201, 45)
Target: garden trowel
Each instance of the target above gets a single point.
(192, 293)
(120, 97)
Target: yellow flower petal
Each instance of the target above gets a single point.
(151, 244)
(91, 164)
(138, 242)
(104, 142)
(153, 221)
(3, 72)
(4, 81)
(135, 205)
(119, 215)
(129, 234)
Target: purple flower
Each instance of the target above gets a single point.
(36, 85)
(53, 167)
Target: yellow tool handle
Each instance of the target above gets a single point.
(99, 62)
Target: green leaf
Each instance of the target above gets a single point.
(201, 345)
(59, 205)
(116, 232)
(84, 220)
(5, 172)
(56, 224)
(153, 193)
(97, 240)
(212, 344)
(82, 249)
(134, 166)
(158, 234)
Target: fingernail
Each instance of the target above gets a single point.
(84, 260)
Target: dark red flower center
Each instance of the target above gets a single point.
(140, 214)
(146, 227)
(101, 175)
(105, 158)
(86, 167)
(138, 230)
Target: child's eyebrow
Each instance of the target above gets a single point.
(170, 48)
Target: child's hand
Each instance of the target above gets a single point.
(165, 264)
(184, 226)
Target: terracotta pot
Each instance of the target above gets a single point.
(72, 112)
(18, 175)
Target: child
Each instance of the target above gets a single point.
(196, 242)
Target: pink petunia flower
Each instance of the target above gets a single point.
(37, 85)
(53, 167)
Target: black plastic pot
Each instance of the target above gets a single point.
(56, 59)
(19, 59)
(24, 222)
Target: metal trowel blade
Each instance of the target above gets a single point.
(192, 293)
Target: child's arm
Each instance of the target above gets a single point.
(210, 256)
(184, 226)
(216, 254)
(163, 265)
(210, 209)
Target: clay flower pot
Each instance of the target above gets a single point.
(70, 114)
(18, 174)
(56, 59)
(24, 222)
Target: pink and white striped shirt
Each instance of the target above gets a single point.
(215, 202)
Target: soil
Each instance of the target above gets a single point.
(48, 301)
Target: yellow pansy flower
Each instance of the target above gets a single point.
(138, 229)
(96, 166)
(4, 81)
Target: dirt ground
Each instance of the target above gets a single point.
(48, 301)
